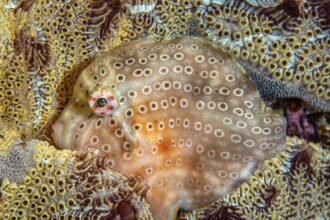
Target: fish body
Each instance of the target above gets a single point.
(183, 114)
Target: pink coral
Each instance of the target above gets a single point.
(297, 121)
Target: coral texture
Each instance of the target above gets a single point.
(294, 184)
(285, 55)
(41, 182)
(44, 45)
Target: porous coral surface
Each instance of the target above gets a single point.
(40, 182)
(293, 184)
(44, 45)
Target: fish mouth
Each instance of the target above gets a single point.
(57, 128)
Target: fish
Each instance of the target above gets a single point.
(182, 114)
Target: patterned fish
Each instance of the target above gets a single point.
(183, 114)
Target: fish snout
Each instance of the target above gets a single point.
(57, 129)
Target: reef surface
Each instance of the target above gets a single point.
(45, 45)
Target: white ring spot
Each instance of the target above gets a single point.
(127, 156)
(238, 92)
(147, 72)
(199, 58)
(143, 61)
(178, 56)
(164, 57)
(177, 85)
(256, 130)
(211, 153)
(177, 69)
(207, 90)
(184, 103)
(248, 115)
(208, 128)
(225, 155)
(199, 148)
(247, 159)
(166, 85)
(249, 143)
(238, 111)
(103, 71)
(137, 72)
(235, 138)
(179, 46)
(146, 90)
(188, 70)
(224, 91)
(117, 65)
(152, 56)
(218, 133)
(200, 105)
(130, 61)
(163, 70)
(233, 175)
(211, 105)
(187, 88)
(214, 74)
(212, 60)
(204, 74)
(222, 106)
(197, 126)
(222, 174)
(230, 78)
(227, 121)
(194, 47)
(266, 131)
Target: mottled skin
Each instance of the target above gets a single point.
(186, 118)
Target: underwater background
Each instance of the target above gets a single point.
(243, 87)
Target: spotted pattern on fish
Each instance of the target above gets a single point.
(183, 114)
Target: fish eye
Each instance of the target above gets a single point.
(102, 102)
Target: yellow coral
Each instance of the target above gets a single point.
(44, 45)
(267, 47)
(58, 184)
(293, 183)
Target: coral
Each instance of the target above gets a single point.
(17, 162)
(48, 51)
(44, 45)
(323, 128)
(294, 183)
(286, 55)
(265, 3)
(64, 184)
(164, 101)
(297, 121)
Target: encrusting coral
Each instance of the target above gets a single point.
(49, 45)
(163, 110)
(44, 45)
(285, 55)
(294, 184)
(44, 183)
